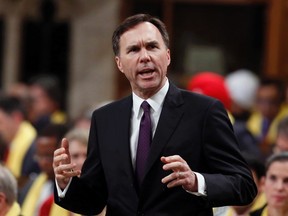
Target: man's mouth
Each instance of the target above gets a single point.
(146, 72)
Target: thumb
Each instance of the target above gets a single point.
(65, 145)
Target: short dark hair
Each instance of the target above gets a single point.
(277, 83)
(50, 84)
(131, 22)
(10, 104)
(255, 164)
(277, 157)
(54, 130)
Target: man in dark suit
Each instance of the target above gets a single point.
(194, 162)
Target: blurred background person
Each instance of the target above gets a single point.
(78, 140)
(83, 120)
(21, 91)
(269, 110)
(211, 84)
(46, 101)
(243, 85)
(8, 194)
(36, 191)
(275, 186)
(281, 143)
(18, 135)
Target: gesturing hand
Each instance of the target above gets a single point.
(181, 174)
(63, 168)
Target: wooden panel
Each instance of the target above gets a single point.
(227, 2)
(276, 63)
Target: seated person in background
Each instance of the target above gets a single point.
(46, 101)
(36, 191)
(242, 85)
(281, 143)
(18, 136)
(269, 110)
(83, 120)
(275, 186)
(78, 139)
(8, 193)
(213, 85)
(258, 171)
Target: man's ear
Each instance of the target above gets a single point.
(2, 199)
(119, 64)
(168, 56)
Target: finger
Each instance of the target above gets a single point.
(170, 159)
(170, 177)
(60, 157)
(59, 151)
(175, 179)
(175, 183)
(65, 145)
(175, 166)
(72, 173)
(60, 161)
(65, 168)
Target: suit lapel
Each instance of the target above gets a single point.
(171, 114)
(124, 152)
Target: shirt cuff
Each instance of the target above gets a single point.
(61, 193)
(201, 185)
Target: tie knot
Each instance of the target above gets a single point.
(145, 106)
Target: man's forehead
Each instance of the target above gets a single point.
(146, 28)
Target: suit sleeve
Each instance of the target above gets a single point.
(228, 172)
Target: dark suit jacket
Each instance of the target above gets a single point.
(193, 126)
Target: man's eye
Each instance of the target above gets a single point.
(133, 49)
(152, 46)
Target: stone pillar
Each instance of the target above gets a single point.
(92, 66)
(12, 37)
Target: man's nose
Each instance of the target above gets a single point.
(144, 55)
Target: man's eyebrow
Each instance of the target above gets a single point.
(136, 46)
(130, 47)
(154, 42)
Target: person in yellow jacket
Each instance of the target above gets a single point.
(18, 136)
(38, 190)
(269, 111)
(46, 101)
(8, 193)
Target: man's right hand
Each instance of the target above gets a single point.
(63, 168)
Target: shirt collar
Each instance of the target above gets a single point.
(156, 101)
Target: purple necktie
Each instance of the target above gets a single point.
(144, 142)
